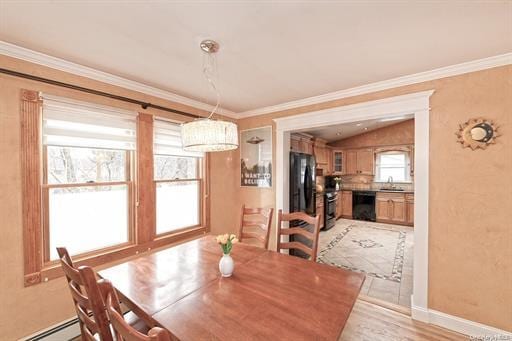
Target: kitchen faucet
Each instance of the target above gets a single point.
(390, 182)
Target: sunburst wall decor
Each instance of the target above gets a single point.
(477, 133)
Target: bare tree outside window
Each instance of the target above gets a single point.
(169, 167)
(71, 165)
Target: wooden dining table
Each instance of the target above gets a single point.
(269, 296)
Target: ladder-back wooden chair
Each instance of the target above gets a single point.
(87, 299)
(255, 223)
(311, 236)
(122, 330)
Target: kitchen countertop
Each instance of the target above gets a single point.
(376, 190)
(367, 190)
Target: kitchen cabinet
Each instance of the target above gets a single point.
(359, 161)
(409, 209)
(351, 162)
(301, 143)
(328, 153)
(337, 162)
(392, 208)
(339, 205)
(322, 155)
(365, 161)
(346, 204)
(320, 208)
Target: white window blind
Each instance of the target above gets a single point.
(79, 124)
(167, 140)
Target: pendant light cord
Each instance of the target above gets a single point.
(210, 71)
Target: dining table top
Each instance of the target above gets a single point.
(269, 296)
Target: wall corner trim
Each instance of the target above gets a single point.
(457, 324)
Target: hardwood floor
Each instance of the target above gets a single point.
(369, 322)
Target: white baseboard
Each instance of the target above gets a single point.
(455, 323)
(419, 314)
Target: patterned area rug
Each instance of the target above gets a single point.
(375, 251)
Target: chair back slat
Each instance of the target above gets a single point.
(122, 330)
(71, 273)
(88, 322)
(251, 223)
(297, 246)
(259, 220)
(257, 210)
(87, 299)
(79, 298)
(254, 235)
(311, 236)
(298, 230)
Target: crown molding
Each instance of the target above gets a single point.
(448, 71)
(39, 58)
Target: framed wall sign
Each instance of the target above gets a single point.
(256, 157)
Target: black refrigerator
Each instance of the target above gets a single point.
(302, 183)
(302, 193)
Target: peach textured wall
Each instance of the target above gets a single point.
(27, 310)
(470, 245)
(395, 134)
(470, 197)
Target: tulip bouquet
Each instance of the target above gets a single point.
(226, 242)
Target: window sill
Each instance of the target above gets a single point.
(52, 270)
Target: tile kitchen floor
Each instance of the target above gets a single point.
(379, 288)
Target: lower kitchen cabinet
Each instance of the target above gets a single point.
(409, 208)
(392, 208)
(339, 205)
(320, 208)
(346, 204)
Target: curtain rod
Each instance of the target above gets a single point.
(144, 105)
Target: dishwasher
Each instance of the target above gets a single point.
(363, 205)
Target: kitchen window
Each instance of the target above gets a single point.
(87, 177)
(392, 164)
(178, 179)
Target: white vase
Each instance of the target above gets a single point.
(226, 266)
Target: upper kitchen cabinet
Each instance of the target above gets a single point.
(323, 156)
(301, 143)
(337, 162)
(358, 161)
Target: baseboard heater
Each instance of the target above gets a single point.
(66, 330)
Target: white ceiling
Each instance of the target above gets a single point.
(342, 131)
(271, 52)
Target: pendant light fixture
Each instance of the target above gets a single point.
(208, 134)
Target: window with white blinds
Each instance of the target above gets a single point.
(167, 140)
(87, 179)
(178, 178)
(78, 124)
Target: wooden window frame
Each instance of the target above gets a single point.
(46, 187)
(200, 173)
(142, 199)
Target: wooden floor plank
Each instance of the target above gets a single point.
(369, 322)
